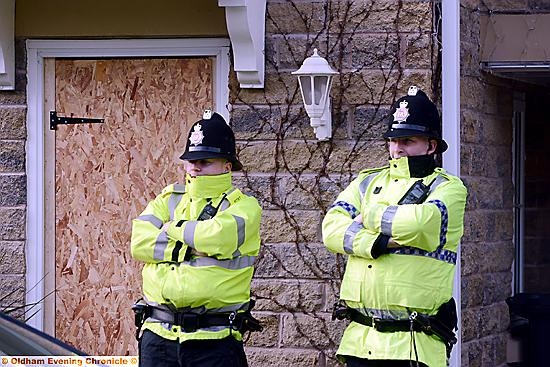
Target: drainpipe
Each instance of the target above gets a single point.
(451, 121)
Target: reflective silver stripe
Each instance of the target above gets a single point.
(189, 233)
(160, 246)
(240, 230)
(179, 188)
(224, 205)
(439, 180)
(387, 220)
(349, 236)
(151, 219)
(365, 183)
(173, 202)
(232, 264)
(385, 314)
(230, 308)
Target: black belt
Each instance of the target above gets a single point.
(382, 325)
(190, 321)
(417, 322)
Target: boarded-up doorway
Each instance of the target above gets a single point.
(104, 176)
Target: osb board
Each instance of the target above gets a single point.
(104, 176)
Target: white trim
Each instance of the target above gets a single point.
(451, 124)
(37, 50)
(246, 27)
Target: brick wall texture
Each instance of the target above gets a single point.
(379, 48)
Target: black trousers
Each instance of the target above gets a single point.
(155, 351)
(360, 362)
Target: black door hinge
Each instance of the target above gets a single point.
(60, 120)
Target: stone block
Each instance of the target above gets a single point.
(12, 290)
(12, 156)
(472, 354)
(288, 295)
(471, 93)
(493, 291)
(311, 331)
(494, 319)
(12, 224)
(418, 51)
(269, 336)
(370, 122)
(291, 226)
(264, 188)
(271, 122)
(294, 17)
(485, 161)
(472, 288)
(309, 192)
(471, 126)
(12, 257)
(277, 357)
(484, 193)
(16, 97)
(13, 190)
(386, 16)
(470, 319)
(302, 261)
(12, 122)
(374, 51)
(367, 87)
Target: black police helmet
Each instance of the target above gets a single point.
(211, 137)
(415, 115)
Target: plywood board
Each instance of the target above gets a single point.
(104, 176)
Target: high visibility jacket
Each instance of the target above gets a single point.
(216, 278)
(417, 276)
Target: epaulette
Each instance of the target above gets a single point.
(235, 196)
(175, 188)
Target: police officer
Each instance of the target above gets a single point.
(400, 226)
(198, 243)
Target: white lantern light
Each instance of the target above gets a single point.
(315, 78)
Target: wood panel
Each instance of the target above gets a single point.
(105, 175)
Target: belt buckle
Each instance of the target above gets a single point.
(188, 321)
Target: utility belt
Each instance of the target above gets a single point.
(441, 325)
(192, 321)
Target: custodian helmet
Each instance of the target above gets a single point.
(211, 137)
(415, 115)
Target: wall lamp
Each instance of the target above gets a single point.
(315, 79)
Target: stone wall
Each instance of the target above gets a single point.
(13, 186)
(486, 168)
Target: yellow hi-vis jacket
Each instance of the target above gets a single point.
(417, 276)
(216, 278)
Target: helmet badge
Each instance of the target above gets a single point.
(401, 113)
(197, 135)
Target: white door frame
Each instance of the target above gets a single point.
(37, 51)
(451, 127)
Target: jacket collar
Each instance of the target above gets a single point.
(417, 166)
(208, 186)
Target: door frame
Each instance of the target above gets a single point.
(37, 117)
